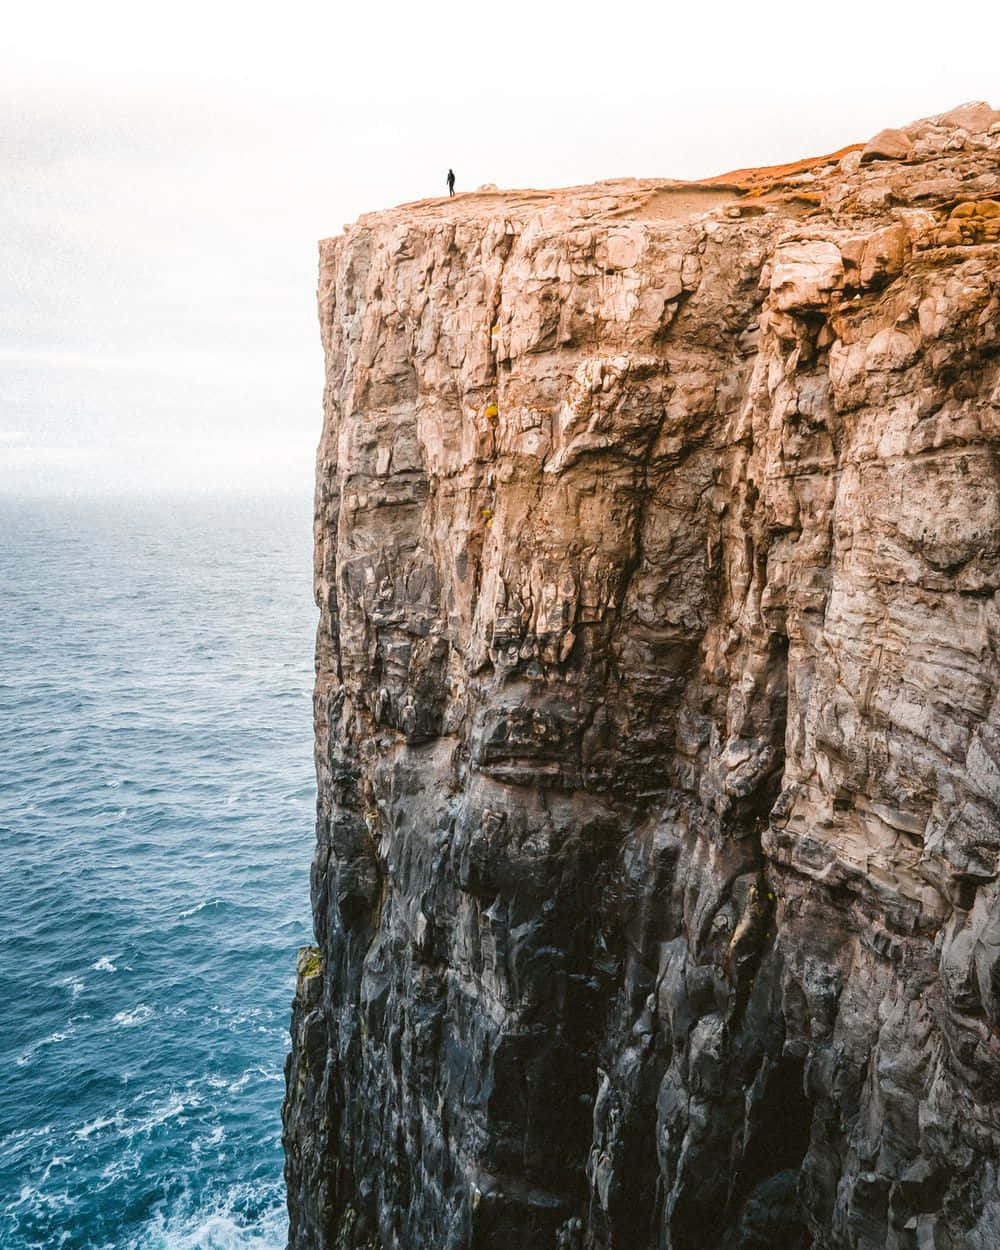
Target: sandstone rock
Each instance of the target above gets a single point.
(657, 879)
(887, 145)
(976, 118)
(804, 275)
(883, 256)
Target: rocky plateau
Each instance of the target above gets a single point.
(657, 879)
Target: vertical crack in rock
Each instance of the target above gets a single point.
(658, 716)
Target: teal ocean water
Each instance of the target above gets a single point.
(156, 813)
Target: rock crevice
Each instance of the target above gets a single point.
(658, 716)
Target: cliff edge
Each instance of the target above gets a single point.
(658, 716)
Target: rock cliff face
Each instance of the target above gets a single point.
(658, 716)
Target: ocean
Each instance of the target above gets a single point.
(156, 825)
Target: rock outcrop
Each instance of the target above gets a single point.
(658, 716)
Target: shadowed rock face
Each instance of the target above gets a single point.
(657, 719)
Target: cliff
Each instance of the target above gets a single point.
(658, 716)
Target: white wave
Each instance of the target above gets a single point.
(129, 1019)
(52, 1040)
(218, 1228)
(57, 1161)
(104, 964)
(235, 1086)
(193, 911)
(75, 985)
(169, 1110)
(38, 1201)
(21, 1135)
(214, 1138)
(95, 1126)
(269, 1074)
(117, 1170)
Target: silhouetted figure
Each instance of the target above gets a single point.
(451, 182)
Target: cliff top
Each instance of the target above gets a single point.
(796, 188)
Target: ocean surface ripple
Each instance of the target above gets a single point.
(156, 812)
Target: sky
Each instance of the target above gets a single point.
(168, 169)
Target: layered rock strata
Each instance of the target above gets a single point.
(658, 716)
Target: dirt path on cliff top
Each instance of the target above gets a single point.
(642, 199)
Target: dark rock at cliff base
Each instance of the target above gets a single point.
(658, 717)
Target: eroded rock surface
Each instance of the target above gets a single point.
(658, 716)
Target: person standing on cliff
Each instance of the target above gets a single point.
(451, 182)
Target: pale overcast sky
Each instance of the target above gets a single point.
(168, 169)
